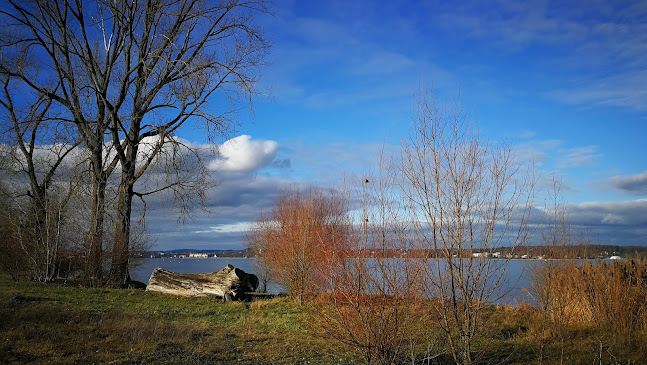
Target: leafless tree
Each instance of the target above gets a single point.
(470, 198)
(57, 58)
(134, 71)
(547, 276)
(373, 302)
(36, 152)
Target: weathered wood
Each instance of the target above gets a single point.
(229, 283)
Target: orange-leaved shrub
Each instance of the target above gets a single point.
(296, 236)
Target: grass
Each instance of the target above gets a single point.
(69, 325)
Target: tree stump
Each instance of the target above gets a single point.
(229, 283)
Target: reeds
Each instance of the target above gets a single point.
(611, 295)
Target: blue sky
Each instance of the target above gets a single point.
(565, 82)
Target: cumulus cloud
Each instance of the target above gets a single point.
(631, 184)
(242, 154)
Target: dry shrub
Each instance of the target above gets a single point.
(601, 294)
(382, 329)
(297, 235)
(370, 299)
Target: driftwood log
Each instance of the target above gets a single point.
(229, 283)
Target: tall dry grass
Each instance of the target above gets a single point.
(610, 295)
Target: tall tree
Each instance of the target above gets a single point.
(134, 72)
(470, 197)
(65, 66)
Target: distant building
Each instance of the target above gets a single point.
(198, 255)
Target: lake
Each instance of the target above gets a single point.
(516, 277)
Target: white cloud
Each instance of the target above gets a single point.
(622, 90)
(228, 228)
(242, 154)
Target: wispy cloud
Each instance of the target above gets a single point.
(600, 46)
(627, 89)
(578, 157)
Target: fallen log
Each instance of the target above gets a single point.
(229, 283)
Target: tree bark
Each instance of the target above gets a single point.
(119, 274)
(229, 282)
(94, 251)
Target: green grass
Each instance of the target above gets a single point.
(69, 325)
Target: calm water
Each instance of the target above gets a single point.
(516, 276)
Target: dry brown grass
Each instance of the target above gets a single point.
(599, 306)
(612, 295)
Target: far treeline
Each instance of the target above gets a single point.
(524, 252)
(521, 252)
(577, 251)
(194, 253)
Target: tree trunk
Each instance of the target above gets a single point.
(228, 283)
(38, 244)
(119, 274)
(93, 250)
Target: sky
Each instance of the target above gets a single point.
(564, 82)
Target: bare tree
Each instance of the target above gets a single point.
(36, 144)
(59, 60)
(469, 199)
(136, 71)
(548, 287)
(373, 302)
